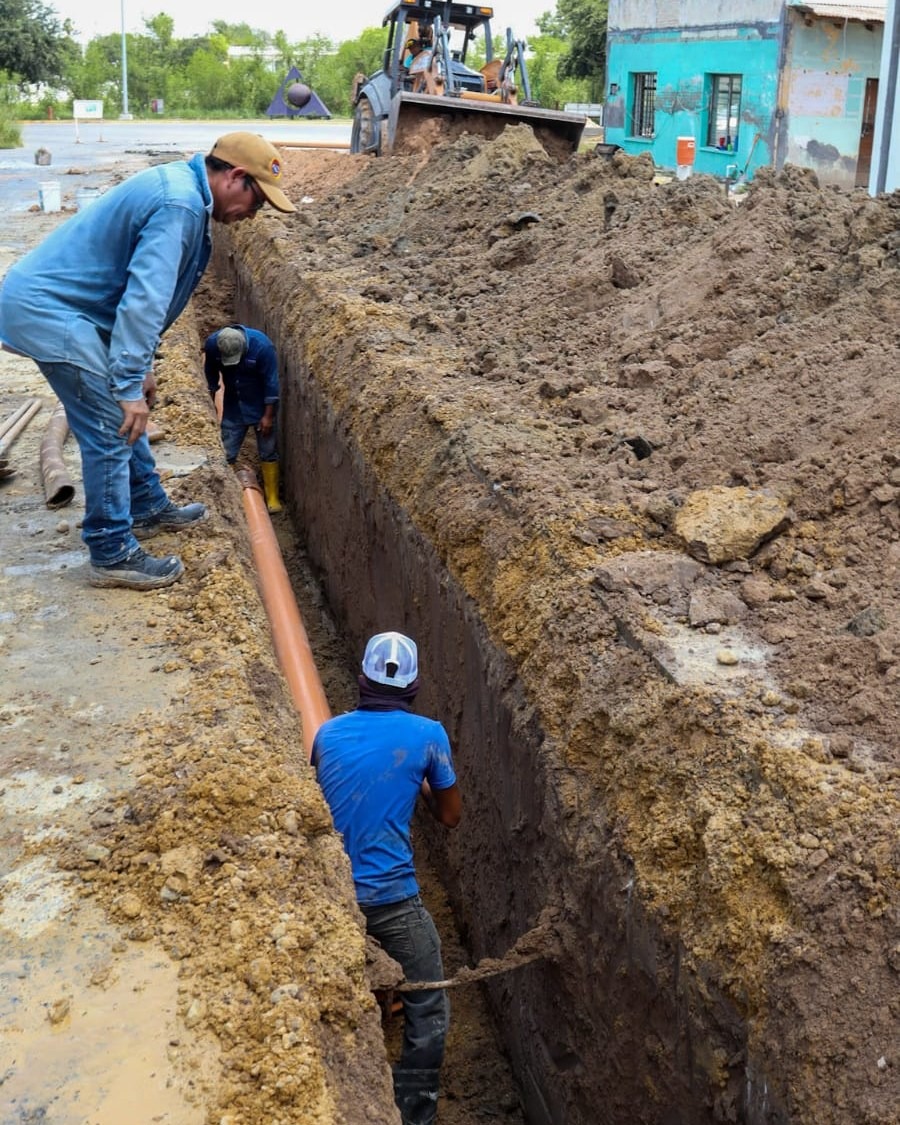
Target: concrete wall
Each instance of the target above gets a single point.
(827, 65)
(647, 14)
(803, 83)
(684, 60)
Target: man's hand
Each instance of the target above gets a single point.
(267, 422)
(136, 414)
(150, 389)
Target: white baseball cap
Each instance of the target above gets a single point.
(391, 659)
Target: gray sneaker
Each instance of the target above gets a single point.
(139, 571)
(172, 518)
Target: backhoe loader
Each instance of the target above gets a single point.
(425, 89)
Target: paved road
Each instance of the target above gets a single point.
(82, 154)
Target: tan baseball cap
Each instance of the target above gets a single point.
(260, 159)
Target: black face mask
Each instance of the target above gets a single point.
(383, 697)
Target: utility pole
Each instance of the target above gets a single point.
(124, 115)
(885, 173)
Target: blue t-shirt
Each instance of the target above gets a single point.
(370, 765)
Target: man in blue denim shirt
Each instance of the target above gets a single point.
(89, 305)
(372, 764)
(243, 359)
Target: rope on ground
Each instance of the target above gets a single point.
(539, 943)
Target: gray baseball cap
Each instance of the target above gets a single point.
(232, 343)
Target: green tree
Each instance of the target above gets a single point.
(97, 73)
(549, 86)
(362, 55)
(34, 45)
(241, 34)
(10, 132)
(161, 28)
(582, 23)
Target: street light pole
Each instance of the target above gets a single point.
(125, 115)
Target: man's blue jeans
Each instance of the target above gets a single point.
(407, 933)
(233, 434)
(120, 480)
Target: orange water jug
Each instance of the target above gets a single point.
(685, 149)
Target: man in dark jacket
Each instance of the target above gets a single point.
(245, 361)
(373, 764)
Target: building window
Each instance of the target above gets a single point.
(643, 109)
(724, 111)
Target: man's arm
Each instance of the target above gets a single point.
(445, 805)
(145, 307)
(211, 365)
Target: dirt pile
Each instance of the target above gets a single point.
(180, 938)
(581, 386)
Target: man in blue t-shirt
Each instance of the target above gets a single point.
(372, 764)
(244, 359)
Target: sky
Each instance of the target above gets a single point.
(300, 20)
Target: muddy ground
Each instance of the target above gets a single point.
(162, 837)
(652, 433)
(652, 436)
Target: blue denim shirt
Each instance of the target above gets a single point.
(101, 289)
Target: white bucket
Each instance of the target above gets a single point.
(85, 196)
(50, 195)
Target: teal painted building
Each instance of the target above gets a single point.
(749, 83)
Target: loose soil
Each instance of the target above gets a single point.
(545, 363)
(579, 382)
(173, 949)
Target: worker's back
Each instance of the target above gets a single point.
(371, 764)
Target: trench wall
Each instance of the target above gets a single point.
(616, 1028)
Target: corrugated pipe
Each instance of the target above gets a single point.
(288, 632)
(58, 487)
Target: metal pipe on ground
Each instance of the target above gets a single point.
(8, 423)
(12, 429)
(288, 631)
(58, 487)
(338, 146)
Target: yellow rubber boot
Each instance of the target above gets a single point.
(270, 484)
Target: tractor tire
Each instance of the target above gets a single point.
(365, 136)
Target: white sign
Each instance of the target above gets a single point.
(590, 109)
(87, 110)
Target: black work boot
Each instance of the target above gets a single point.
(416, 1095)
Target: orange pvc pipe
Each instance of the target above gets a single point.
(338, 146)
(288, 632)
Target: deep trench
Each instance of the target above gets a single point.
(612, 1032)
(477, 1080)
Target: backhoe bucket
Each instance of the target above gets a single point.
(419, 121)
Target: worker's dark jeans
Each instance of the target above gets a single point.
(233, 434)
(407, 933)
